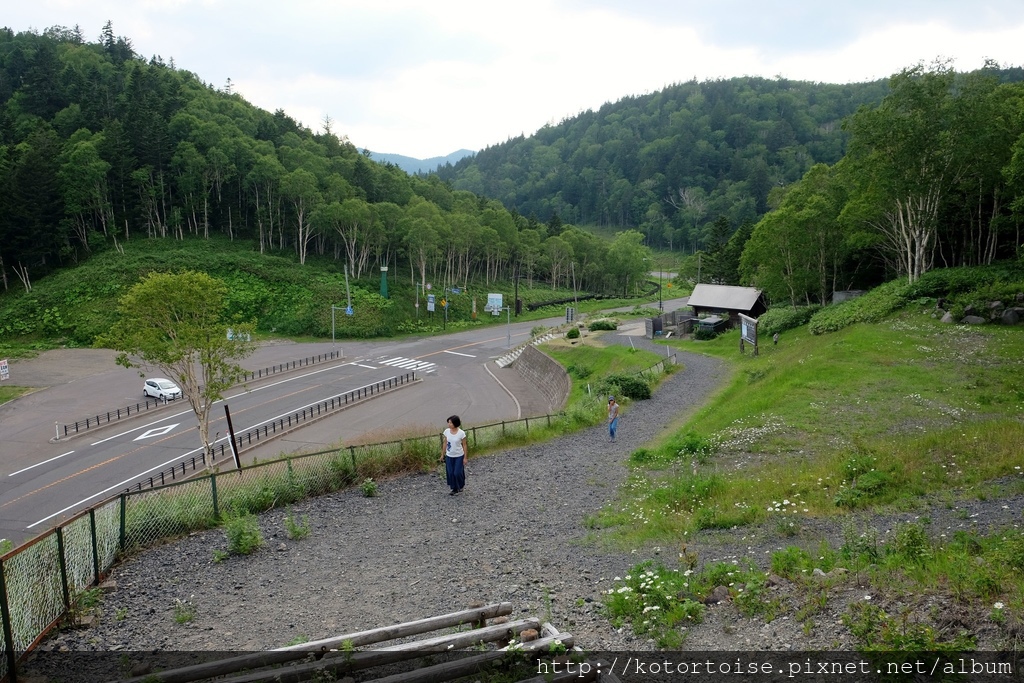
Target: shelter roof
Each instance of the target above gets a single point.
(725, 297)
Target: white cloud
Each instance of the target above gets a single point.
(425, 79)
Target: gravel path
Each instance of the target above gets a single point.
(518, 533)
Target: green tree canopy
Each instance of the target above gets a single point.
(175, 322)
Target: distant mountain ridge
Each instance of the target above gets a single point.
(412, 165)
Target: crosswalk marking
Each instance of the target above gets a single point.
(408, 363)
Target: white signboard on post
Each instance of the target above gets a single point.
(5, 370)
(748, 331)
(494, 303)
(430, 303)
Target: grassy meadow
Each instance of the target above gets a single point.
(903, 414)
(874, 414)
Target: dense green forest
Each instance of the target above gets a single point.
(99, 147)
(797, 188)
(670, 163)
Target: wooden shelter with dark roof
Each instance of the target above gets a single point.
(727, 299)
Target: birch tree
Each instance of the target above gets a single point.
(904, 153)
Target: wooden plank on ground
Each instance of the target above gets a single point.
(293, 653)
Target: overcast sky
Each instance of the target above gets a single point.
(426, 78)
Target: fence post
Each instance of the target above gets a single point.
(213, 487)
(95, 546)
(5, 615)
(63, 569)
(123, 533)
(352, 454)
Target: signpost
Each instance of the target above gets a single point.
(5, 370)
(748, 332)
(348, 311)
(494, 303)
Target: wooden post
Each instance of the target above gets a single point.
(231, 436)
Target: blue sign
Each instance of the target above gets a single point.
(455, 290)
(348, 310)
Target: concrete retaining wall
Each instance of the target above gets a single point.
(544, 373)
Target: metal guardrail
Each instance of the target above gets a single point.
(92, 422)
(277, 427)
(107, 417)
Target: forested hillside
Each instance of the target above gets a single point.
(99, 147)
(933, 178)
(672, 162)
(797, 188)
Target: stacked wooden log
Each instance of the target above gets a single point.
(432, 650)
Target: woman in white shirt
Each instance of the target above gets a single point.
(454, 452)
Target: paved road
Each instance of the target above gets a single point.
(43, 481)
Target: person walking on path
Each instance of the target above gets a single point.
(613, 417)
(454, 452)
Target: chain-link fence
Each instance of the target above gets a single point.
(41, 581)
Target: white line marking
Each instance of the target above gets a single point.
(456, 353)
(368, 367)
(39, 463)
(177, 459)
(159, 431)
(189, 412)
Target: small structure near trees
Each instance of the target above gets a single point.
(727, 301)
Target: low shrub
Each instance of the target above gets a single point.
(776, 320)
(243, 534)
(872, 307)
(949, 282)
(297, 528)
(693, 444)
(866, 487)
(603, 324)
(573, 333)
(579, 371)
(369, 488)
(979, 299)
(626, 385)
(643, 455)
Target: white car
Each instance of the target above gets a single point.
(160, 388)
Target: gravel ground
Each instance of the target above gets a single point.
(517, 533)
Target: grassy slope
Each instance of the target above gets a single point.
(871, 418)
(73, 306)
(910, 398)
